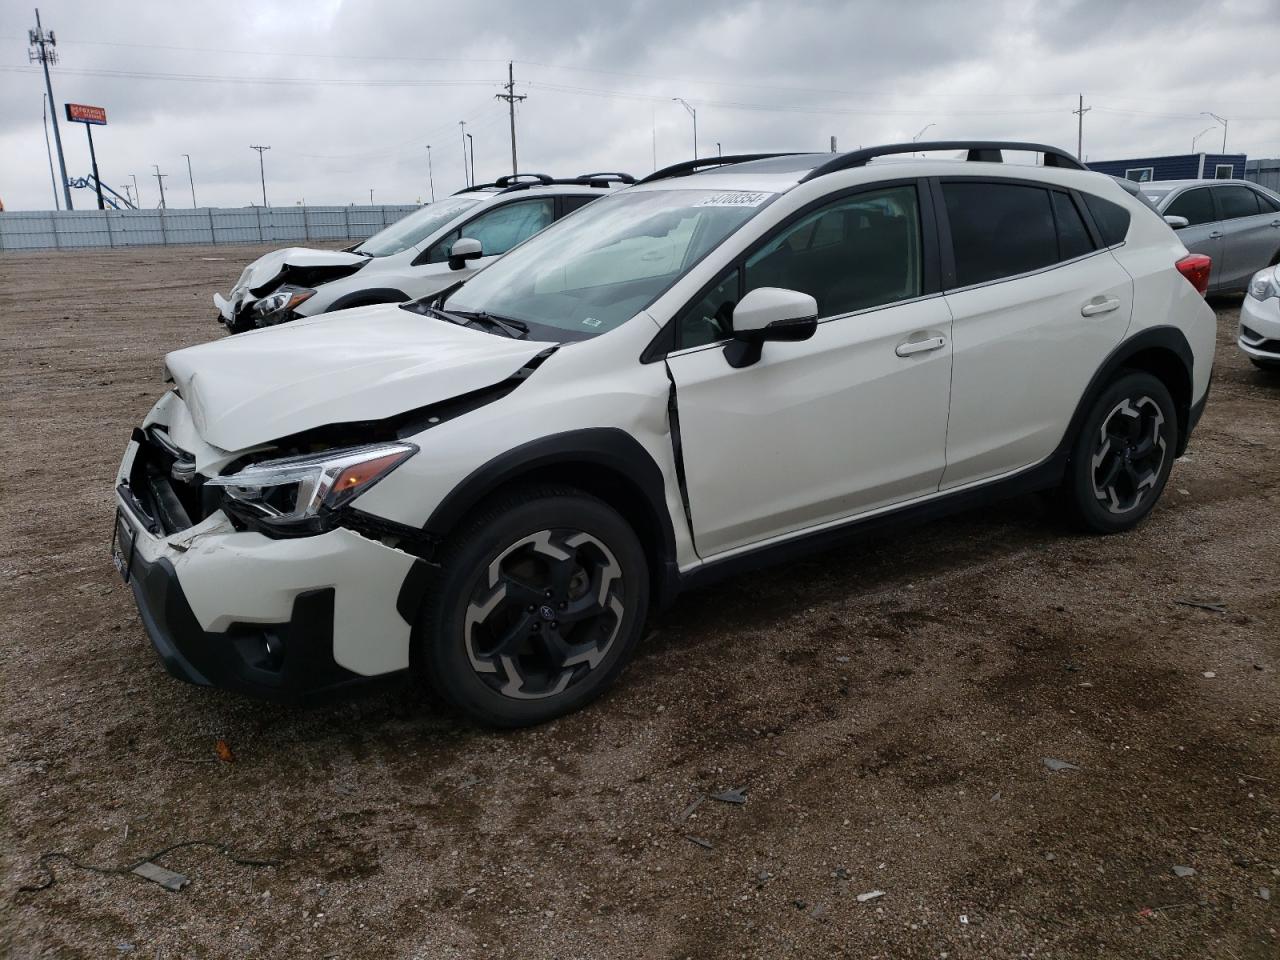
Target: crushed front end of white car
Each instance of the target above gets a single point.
(270, 289)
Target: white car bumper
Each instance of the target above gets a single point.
(284, 619)
(1260, 328)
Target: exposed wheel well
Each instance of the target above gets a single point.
(1167, 367)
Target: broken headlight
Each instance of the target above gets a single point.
(283, 300)
(298, 489)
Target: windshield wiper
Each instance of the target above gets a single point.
(516, 329)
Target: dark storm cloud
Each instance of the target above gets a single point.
(377, 82)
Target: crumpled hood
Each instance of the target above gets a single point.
(363, 364)
(269, 266)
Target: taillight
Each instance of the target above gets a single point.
(1196, 267)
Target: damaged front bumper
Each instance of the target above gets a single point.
(290, 620)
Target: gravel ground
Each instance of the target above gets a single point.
(886, 708)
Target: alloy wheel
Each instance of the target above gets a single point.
(1129, 454)
(545, 614)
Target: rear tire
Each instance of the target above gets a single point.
(539, 603)
(1123, 455)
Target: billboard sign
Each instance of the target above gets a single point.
(80, 113)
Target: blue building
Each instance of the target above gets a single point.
(1186, 166)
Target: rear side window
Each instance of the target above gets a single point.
(1073, 237)
(1267, 204)
(1237, 202)
(1195, 205)
(1112, 219)
(999, 230)
(571, 202)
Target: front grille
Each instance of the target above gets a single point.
(163, 485)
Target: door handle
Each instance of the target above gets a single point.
(1097, 307)
(911, 347)
(1216, 235)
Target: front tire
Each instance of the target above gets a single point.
(540, 601)
(1122, 458)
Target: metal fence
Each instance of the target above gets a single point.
(79, 229)
(1265, 173)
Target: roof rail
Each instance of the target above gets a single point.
(690, 166)
(604, 178)
(511, 179)
(983, 151)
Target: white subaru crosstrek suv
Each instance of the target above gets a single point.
(733, 361)
(420, 254)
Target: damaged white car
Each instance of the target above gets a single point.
(704, 372)
(416, 256)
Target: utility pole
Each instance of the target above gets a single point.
(472, 144)
(192, 181)
(42, 45)
(511, 97)
(719, 152)
(466, 177)
(44, 116)
(128, 193)
(431, 176)
(833, 143)
(371, 196)
(160, 180)
(262, 171)
(1206, 113)
(1080, 112)
(693, 113)
(136, 192)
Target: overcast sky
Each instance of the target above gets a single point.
(349, 94)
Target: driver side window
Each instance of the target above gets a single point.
(499, 230)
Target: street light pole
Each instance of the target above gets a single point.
(694, 114)
(192, 180)
(431, 176)
(1221, 120)
(466, 177)
(1198, 136)
(262, 171)
(472, 144)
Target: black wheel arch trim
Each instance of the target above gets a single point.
(606, 448)
(367, 297)
(1166, 338)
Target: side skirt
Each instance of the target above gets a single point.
(1044, 476)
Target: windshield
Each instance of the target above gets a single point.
(416, 227)
(593, 271)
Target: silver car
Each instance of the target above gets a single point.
(1235, 222)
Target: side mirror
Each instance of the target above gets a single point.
(464, 249)
(769, 313)
(1177, 222)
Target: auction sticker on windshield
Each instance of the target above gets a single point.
(734, 198)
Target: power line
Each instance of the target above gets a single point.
(265, 80)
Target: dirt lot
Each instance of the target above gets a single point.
(886, 708)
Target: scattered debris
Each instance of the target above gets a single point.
(1057, 766)
(168, 879)
(223, 750)
(763, 877)
(1264, 893)
(799, 904)
(1051, 856)
(688, 811)
(819, 911)
(705, 844)
(840, 873)
(996, 797)
(842, 659)
(872, 895)
(964, 919)
(1208, 674)
(50, 878)
(1184, 871)
(1213, 606)
(736, 795)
